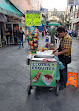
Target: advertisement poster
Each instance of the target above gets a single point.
(43, 74)
(72, 2)
(33, 18)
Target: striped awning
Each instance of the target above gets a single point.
(8, 9)
(53, 24)
(3, 18)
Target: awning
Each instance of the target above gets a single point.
(53, 24)
(20, 9)
(3, 18)
(8, 9)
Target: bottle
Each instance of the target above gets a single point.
(35, 79)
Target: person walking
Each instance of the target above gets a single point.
(78, 34)
(7, 33)
(64, 54)
(55, 37)
(36, 30)
(43, 33)
(70, 32)
(46, 31)
(20, 35)
(15, 36)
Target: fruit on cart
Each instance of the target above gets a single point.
(35, 79)
(42, 49)
(47, 45)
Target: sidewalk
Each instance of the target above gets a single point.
(15, 77)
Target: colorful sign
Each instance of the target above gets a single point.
(33, 18)
(43, 74)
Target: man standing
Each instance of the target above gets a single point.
(20, 35)
(46, 31)
(55, 37)
(7, 33)
(64, 54)
(15, 35)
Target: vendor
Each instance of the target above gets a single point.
(64, 54)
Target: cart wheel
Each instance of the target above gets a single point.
(28, 62)
(57, 89)
(29, 89)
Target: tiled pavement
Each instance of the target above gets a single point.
(15, 77)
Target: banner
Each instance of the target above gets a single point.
(72, 2)
(43, 74)
(33, 18)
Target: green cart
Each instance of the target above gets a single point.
(45, 74)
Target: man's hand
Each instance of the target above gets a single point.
(45, 60)
(55, 50)
(56, 53)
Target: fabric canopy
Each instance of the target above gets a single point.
(8, 9)
(53, 24)
(3, 18)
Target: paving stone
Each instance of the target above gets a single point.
(15, 78)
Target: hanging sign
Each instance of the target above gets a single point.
(33, 18)
(72, 2)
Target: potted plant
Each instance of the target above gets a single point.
(52, 33)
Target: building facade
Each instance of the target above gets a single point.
(75, 18)
(24, 4)
(28, 4)
(73, 14)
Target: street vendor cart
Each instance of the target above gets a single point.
(45, 74)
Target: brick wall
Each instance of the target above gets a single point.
(24, 4)
(28, 4)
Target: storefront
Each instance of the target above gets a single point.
(3, 19)
(11, 23)
(10, 17)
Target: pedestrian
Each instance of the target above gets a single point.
(64, 54)
(15, 36)
(70, 32)
(36, 30)
(20, 35)
(46, 31)
(7, 33)
(43, 33)
(55, 37)
(78, 34)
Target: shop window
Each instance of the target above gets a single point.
(9, 28)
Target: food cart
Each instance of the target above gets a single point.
(45, 74)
